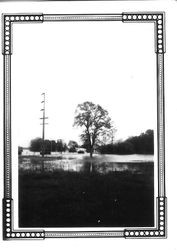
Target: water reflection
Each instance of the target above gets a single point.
(99, 165)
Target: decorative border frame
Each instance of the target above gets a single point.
(158, 18)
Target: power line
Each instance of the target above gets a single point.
(43, 118)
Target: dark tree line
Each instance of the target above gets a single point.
(49, 145)
(142, 144)
(36, 145)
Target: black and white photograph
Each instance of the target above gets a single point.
(84, 127)
(84, 124)
(88, 161)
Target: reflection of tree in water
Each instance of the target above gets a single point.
(85, 165)
(99, 167)
(42, 165)
(37, 164)
(91, 167)
(106, 167)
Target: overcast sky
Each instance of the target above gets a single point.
(107, 63)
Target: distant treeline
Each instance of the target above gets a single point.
(142, 144)
(37, 144)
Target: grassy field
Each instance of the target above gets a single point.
(79, 199)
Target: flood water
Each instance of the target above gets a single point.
(73, 190)
(74, 162)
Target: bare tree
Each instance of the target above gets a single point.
(95, 122)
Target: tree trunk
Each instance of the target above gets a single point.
(91, 152)
(91, 167)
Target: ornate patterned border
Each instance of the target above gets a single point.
(8, 20)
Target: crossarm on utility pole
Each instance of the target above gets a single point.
(43, 118)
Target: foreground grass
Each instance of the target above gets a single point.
(72, 199)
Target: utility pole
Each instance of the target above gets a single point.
(43, 118)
